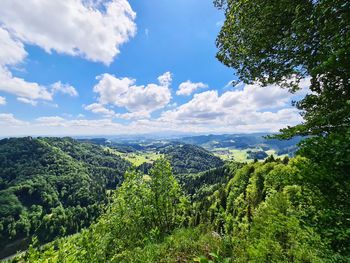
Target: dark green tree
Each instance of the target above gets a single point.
(286, 41)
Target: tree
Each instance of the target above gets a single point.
(144, 209)
(285, 42)
(166, 196)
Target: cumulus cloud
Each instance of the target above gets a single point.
(90, 29)
(188, 87)
(8, 120)
(99, 109)
(64, 88)
(248, 106)
(11, 50)
(139, 101)
(133, 115)
(12, 53)
(51, 121)
(58, 126)
(242, 110)
(27, 101)
(2, 100)
(165, 79)
(22, 88)
(31, 91)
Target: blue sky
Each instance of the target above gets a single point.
(85, 67)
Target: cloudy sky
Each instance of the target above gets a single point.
(87, 67)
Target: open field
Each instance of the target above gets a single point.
(137, 158)
(237, 155)
(141, 157)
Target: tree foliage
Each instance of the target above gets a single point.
(52, 187)
(284, 42)
(191, 159)
(142, 211)
(278, 212)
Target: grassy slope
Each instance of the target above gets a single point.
(242, 155)
(137, 158)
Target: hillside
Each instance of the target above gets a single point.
(233, 147)
(256, 213)
(244, 141)
(190, 158)
(52, 187)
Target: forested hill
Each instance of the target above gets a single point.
(272, 211)
(52, 187)
(190, 158)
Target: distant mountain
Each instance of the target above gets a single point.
(123, 147)
(52, 187)
(244, 141)
(209, 142)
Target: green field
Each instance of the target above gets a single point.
(227, 154)
(230, 154)
(137, 158)
(141, 157)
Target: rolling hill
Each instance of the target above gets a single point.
(52, 187)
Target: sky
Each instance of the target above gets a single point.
(110, 67)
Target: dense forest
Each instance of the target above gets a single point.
(273, 210)
(190, 159)
(52, 187)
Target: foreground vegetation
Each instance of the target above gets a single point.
(276, 211)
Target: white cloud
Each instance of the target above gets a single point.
(165, 79)
(203, 106)
(8, 120)
(188, 87)
(11, 50)
(111, 89)
(50, 104)
(22, 88)
(138, 100)
(251, 106)
(12, 53)
(52, 121)
(133, 115)
(99, 109)
(27, 101)
(58, 126)
(31, 91)
(91, 29)
(2, 100)
(243, 110)
(64, 88)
